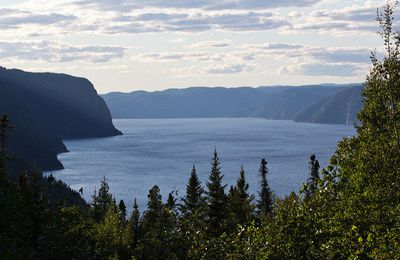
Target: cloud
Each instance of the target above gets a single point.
(178, 56)
(196, 22)
(223, 69)
(152, 16)
(351, 19)
(12, 18)
(323, 69)
(229, 69)
(319, 53)
(211, 44)
(126, 6)
(56, 52)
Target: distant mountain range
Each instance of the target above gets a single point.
(46, 108)
(325, 103)
(341, 108)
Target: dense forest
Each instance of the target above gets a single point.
(351, 209)
(324, 103)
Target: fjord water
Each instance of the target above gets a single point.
(162, 152)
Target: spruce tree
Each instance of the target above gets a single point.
(312, 182)
(152, 240)
(158, 238)
(171, 202)
(5, 126)
(122, 209)
(135, 225)
(265, 202)
(101, 200)
(216, 199)
(240, 205)
(194, 193)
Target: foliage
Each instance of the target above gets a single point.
(265, 203)
(216, 199)
(351, 210)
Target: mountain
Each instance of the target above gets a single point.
(46, 108)
(275, 102)
(341, 108)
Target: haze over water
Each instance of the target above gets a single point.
(162, 152)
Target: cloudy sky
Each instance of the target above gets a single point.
(125, 45)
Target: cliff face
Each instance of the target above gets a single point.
(46, 108)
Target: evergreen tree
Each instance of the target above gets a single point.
(152, 244)
(312, 182)
(194, 192)
(240, 205)
(171, 202)
(36, 206)
(265, 203)
(5, 125)
(135, 225)
(101, 200)
(122, 209)
(216, 199)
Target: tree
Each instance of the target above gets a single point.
(216, 199)
(134, 223)
(312, 182)
(110, 235)
(364, 175)
(101, 200)
(158, 239)
(194, 192)
(240, 205)
(122, 209)
(5, 125)
(265, 202)
(171, 202)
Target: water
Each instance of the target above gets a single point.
(162, 152)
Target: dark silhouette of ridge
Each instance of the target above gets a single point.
(46, 108)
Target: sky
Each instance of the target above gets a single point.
(127, 45)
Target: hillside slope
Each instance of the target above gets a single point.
(46, 108)
(279, 102)
(341, 108)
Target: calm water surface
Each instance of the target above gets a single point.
(162, 152)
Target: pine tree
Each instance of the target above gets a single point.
(312, 182)
(194, 192)
(216, 199)
(265, 203)
(240, 202)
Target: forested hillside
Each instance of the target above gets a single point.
(280, 102)
(350, 210)
(47, 108)
(342, 108)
